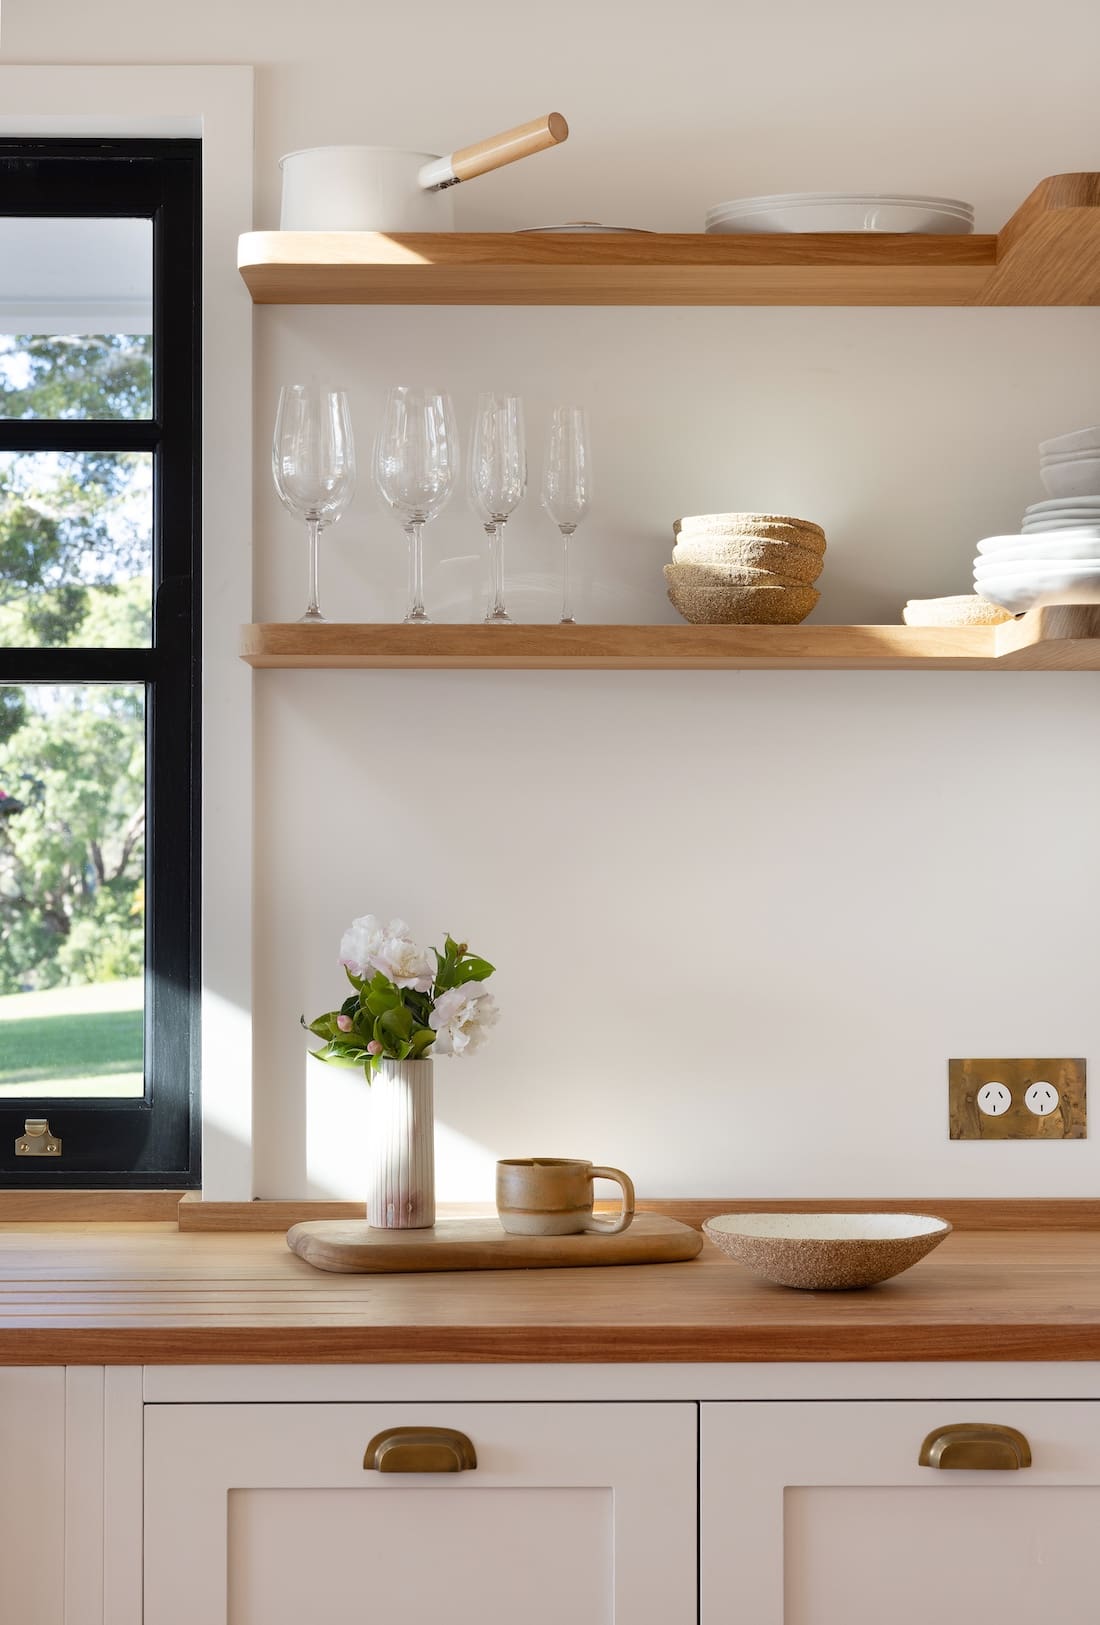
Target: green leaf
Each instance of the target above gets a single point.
(378, 1002)
(356, 981)
(324, 1026)
(421, 1040)
(475, 970)
(334, 1056)
(397, 1023)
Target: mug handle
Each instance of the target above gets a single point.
(612, 1227)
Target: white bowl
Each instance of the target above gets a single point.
(1079, 440)
(1020, 590)
(1077, 478)
(1062, 548)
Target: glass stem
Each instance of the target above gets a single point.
(414, 531)
(567, 616)
(313, 608)
(497, 611)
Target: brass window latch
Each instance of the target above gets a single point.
(37, 1139)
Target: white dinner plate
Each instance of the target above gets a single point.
(1053, 525)
(1062, 502)
(1045, 549)
(1032, 589)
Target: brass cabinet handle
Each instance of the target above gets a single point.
(420, 1450)
(976, 1446)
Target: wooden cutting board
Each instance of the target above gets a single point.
(351, 1247)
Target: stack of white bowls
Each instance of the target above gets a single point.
(745, 569)
(843, 211)
(1070, 465)
(1055, 558)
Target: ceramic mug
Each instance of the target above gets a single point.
(552, 1196)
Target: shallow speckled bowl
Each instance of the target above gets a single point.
(826, 1252)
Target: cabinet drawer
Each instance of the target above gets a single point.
(820, 1514)
(265, 1515)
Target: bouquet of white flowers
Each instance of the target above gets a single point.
(408, 1002)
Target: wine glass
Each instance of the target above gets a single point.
(497, 478)
(313, 461)
(567, 486)
(415, 466)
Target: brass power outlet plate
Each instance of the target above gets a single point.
(1016, 1100)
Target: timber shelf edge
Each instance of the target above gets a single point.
(1047, 254)
(1062, 639)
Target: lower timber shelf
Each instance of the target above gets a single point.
(1059, 639)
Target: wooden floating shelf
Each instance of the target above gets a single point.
(1066, 639)
(1047, 254)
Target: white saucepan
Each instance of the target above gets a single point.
(392, 189)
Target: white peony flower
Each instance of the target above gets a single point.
(361, 941)
(406, 964)
(368, 945)
(461, 1018)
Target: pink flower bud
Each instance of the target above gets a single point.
(344, 1023)
(374, 1047)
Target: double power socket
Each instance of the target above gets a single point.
(1016, 1099)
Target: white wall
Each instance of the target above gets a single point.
(742, 919)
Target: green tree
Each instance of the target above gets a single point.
(72, 854)
(63, 525)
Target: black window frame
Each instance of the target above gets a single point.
(153, 1142)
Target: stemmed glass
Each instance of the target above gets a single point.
(313, 461)
(567, 486)
(415, 467)
(497, 479)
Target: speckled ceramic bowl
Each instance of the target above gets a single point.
(826, 1252)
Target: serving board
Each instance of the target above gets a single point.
(352, 1247)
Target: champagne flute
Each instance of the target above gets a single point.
(415, 467)
(497, 479)
(313, 463)
(567, 486)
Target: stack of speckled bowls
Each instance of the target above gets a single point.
(745, 568)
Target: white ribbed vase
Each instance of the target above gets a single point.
(401, 1154)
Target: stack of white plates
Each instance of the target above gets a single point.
(1061, 513)
(1025, 572)
(843, 211)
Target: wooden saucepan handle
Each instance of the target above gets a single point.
(495, 152)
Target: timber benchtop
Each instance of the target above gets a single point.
(152, 1294)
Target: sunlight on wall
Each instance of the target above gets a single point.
(337, 1130)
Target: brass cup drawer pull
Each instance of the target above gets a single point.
(420, 1450)
(976, 1447)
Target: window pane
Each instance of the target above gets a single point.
(72, 889)
(76, 318)
(76, 549)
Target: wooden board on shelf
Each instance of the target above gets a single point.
(1062, 639)
(1047, 254)
(351, 1247)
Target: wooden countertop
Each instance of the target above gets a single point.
(149, 1294)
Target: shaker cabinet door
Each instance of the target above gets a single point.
(819, 1514)
(32, 1495)
(265, 1515)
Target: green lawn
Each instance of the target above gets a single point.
(76, 1041)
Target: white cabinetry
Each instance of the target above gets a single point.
(819, 1514)
(32, 1495)
(263, 1514)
